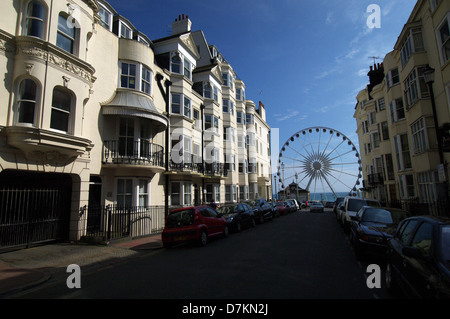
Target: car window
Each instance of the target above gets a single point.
(212, 213)
(423, 238)
(377, 216)
(206, 212)
(406, 232)
(180, 218)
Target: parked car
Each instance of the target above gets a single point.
(275, 212)
(294, 203)
(198, 223)
(238, 216)
(304, 204)
(289, 206)
(418, 258)
(281, 206)
(351, 206)
(372, 228)
(261, 209)
(316, 207)
(337, 203)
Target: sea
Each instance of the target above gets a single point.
(330, 197)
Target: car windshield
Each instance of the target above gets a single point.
(377, 216)
(445, 245)
(227, 210)
(355, 205)
(180, 218)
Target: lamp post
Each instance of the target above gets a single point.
(275, 183)
(428, 75)
(296, 186)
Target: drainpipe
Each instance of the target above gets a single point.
(202, 111)
(166, 94)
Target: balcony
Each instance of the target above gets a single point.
(137, 153)
(373, 180)
(186, 163)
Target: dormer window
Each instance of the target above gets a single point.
(175, 63)
(412, 44)
(181, 65)
(105, 18)
(125, 31)
(187, 68)
(227, 80)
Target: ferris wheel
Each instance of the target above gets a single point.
(322, 161)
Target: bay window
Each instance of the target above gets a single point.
(61, 110)
(415, 87)
(27, 101)
(443, 37)
(36, 15)
(412, 44)
(136, 76)
(419, 136)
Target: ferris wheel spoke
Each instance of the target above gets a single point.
(329, 185)
(341, 155)
(343, 172)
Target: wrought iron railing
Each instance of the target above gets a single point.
(137, 152)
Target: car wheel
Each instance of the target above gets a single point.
(253, 222)
(238, 227)
(226, 231)
(203, 238)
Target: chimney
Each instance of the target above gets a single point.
(376, 76)
(181, 25)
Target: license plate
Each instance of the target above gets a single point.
(180, 238)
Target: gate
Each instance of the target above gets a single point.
(32, 215)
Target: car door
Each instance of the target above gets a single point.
(243, 214)
(216, 222)
(419, 271)
(400, 240)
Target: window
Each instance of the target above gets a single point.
(175, 194)
(427, 187)
(397, 110)
(197, 121)
(240, 95)
(415, 87)
(35, 19)
(125, 31)
(434, 4)
(143, 193)
(392, 78)
(250, 119)
(211, 123)
(406, 185)
(126, 137)
(66, 36)
(240, 117)
(227, 80)
(207, 90)
(423, 238)
(61, 110)
(187, 194)
(402, 152)
(105, 18)
(389, 167)
(124, 194)
(176, 103)
(128, 75)
(228, 106)
(175, 65)
(413, 44)
(187, 107)
(443, 36)
(419, 136)
(27, 101)
(187, 68)
(385, 130)
(381, 104)
(146, 80)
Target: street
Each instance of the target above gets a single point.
(297, 256)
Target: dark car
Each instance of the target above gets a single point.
(197, 223)
(282, 209)
(419, 258)
(372, 228)
(339, 201)
(261, 209)
(275, 212)
(290, 207)
(238, 216)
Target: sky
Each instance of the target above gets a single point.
(304, 60)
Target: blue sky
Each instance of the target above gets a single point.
(305, 60)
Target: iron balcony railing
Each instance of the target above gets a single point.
(136, 152)
(186, 162)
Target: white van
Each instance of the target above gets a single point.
(351, 206)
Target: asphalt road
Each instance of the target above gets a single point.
(298, 256)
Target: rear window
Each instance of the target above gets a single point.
(355, 205)
(180, 218)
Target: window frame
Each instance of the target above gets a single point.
(442, 44)
(29, 18)
(62, 35)
(70, 112)
(20, 100)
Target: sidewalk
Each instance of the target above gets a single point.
(27, 268)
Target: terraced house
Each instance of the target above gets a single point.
(103, 130)
(403, 115)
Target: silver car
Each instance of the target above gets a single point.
(316, 207)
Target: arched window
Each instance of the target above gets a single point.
(61, 110)
(66, 34)
(35, 19)
(27, 100)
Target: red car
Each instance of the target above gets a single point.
(193, 224)
(282, 208)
